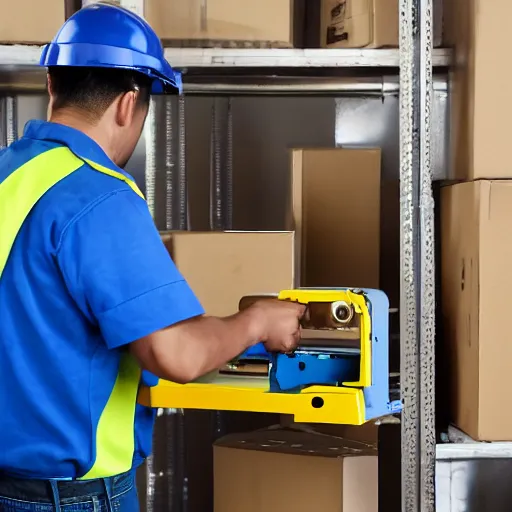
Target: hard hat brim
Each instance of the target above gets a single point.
(165, 79)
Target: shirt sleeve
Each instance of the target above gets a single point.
(119, 272)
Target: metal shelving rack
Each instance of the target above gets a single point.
(185, 58)
(228, 71)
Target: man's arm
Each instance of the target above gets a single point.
(121, 277)
(185, 351)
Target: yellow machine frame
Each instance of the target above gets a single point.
(314, 404)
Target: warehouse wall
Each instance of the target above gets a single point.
(265, 128)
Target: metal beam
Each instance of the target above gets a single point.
(417, 263)
(182, 58)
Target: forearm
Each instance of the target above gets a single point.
(186, 351)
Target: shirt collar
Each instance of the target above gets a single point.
(78, 142)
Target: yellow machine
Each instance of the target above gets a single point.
(339, 374)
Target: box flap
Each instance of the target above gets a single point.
(295, 442)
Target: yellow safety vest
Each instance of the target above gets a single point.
(19, 193)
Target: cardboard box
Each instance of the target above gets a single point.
(479, 102)
(273, 21)
(222, 267)
(335, 210)
(385, 434)
(476, 251)
(368, 23)
(30, 21)
(275, 470)
(359, 23)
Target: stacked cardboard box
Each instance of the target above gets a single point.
(359, 23)
(480, 104)
(30, 21)
(476, 241)
(274, 470)
(222, 267)
(335, 211)
(276, 22)
(367, 23)
(476, 282)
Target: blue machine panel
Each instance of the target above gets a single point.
(293, 372)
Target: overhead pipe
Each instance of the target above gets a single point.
(31, 80)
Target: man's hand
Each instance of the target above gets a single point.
(280, 323)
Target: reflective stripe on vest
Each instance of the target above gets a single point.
(19, 193)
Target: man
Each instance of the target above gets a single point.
(88, 293)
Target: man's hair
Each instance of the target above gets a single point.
(93, 90)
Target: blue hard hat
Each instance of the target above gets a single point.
(108, 36)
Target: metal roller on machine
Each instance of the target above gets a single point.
(339, 374)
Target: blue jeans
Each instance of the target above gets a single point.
(115, 494)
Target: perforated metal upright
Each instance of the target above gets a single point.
(8, 120)
(417, 257)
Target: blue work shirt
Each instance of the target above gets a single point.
(87, 275)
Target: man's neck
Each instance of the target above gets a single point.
(80, 122)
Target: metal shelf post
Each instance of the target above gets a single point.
(8, 120)
(417, 257)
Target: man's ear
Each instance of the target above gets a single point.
(49, 84)
(49, 108)
(126, 105)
